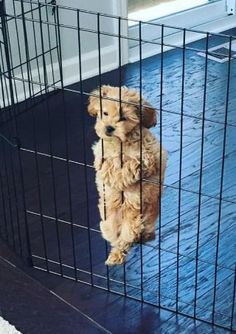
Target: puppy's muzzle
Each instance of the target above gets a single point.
(109, 130)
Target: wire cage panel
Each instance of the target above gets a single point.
(48, 198)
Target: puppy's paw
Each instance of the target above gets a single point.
(115, 257)
(109, 232)
(148, 236)
(97, 164)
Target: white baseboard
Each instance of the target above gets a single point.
(90, 68)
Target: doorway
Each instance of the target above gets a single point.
(199, 15)
(152, 9)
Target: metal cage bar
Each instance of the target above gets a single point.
(48, 195)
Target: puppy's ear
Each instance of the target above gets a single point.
(94, 100)
(149, 113)
(93, 103)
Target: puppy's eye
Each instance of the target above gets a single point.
(122, 118)
(105, 113)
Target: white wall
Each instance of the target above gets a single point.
(89, 40)
(68, 19)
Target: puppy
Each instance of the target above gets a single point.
(128, 207)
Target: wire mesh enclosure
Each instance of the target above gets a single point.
(51, 58)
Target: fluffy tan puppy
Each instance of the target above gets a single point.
(128, 208)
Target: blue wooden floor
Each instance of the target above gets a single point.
(144, 276)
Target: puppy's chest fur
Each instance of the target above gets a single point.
(114, 149)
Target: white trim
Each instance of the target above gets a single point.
(109, 60)
(231, 7)
(120, 8)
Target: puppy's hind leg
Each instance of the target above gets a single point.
(149, 232)
(110, 229)
(110, 223)
(131, 229)
(150, 216)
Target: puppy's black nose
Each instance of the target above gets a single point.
(109, 130)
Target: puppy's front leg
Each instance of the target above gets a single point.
(97, 163)
(118, 177)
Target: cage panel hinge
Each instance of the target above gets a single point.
(230, 7)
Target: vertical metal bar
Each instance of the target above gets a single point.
(4, 207)
(5, 82)
(12, 197)
(7, 52)
(50, 147)
(50, 45)
(45, 74)
(11, 159)
(233, 301)
(55, 21)
(35, 43)
(11, 101)
(222, 179)
(29, 70)
(141, 151)
(9, 198)
(16, 200)
(84, 147)
(120, 96)
(1, 179)
(180, 171)
(99, 65)
(26, 46)
(7, 46)
(67, 146)
(18, 48)
(200, 176)
(29, 252)
(120, 111)
(34, 139)
(100, 98)
(160, 166)
(11, 62)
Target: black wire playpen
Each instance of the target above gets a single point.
(51, 58)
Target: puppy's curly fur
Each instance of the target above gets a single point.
(118, 180)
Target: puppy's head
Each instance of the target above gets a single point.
(115, 119)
